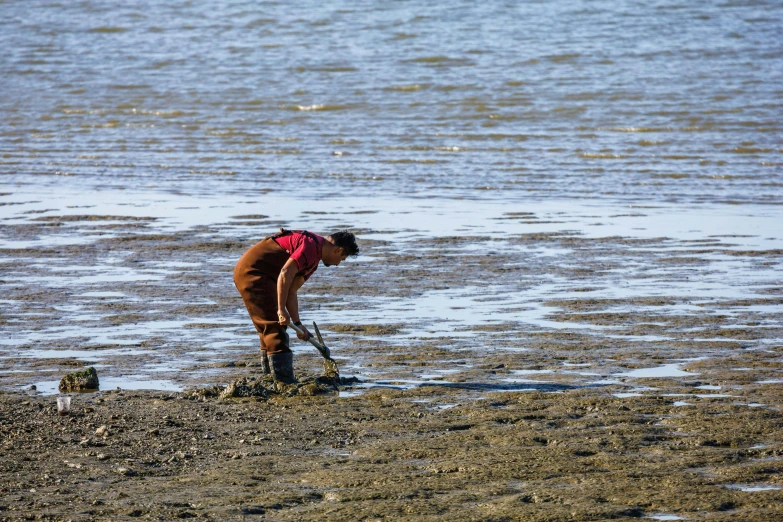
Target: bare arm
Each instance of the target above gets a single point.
(288, 284)
(284, 282)
(292, 304)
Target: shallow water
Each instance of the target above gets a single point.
(651, 101)
(606, 153)
(128, 382)
(667, 370)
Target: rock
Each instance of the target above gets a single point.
(332, 496)
(86, 379)
(125, 471)
(103, 431)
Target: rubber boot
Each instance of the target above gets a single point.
(283, 367)
(265, 363)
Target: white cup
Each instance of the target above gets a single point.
(64, 405)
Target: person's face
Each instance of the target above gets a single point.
(335, 256)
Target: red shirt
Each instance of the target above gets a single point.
(304, 248)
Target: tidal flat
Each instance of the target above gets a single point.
(545, 368)
(568, 300)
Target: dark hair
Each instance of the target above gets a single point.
(346, 240)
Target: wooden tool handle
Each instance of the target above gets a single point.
(324, 351)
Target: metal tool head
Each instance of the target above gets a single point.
(330, 367)
(318, 334)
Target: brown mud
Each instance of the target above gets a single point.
(536, 415)
(391, 454)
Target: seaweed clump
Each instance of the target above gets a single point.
(246, 387)
(84, 380)
(263, 387)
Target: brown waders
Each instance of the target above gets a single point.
(255, 276)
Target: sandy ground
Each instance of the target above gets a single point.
(425, 454)
(615, 382)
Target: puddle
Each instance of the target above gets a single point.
(131, 333)
(104, 275)
(31, 371)
(529, 372)
(439, 374)
(749, 488)
(667, 370)
(454, 312)
(81, 355)
(129, 382)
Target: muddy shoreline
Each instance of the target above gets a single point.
(425, 453)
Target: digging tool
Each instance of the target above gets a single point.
(330, 367)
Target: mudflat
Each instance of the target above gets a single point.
(425, 453)
(571, 376)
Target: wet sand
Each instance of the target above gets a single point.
(427, 453)
(547, 375)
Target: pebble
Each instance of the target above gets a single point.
(332, 496)
(102, 431)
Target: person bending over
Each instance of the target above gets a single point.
(268, 277)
